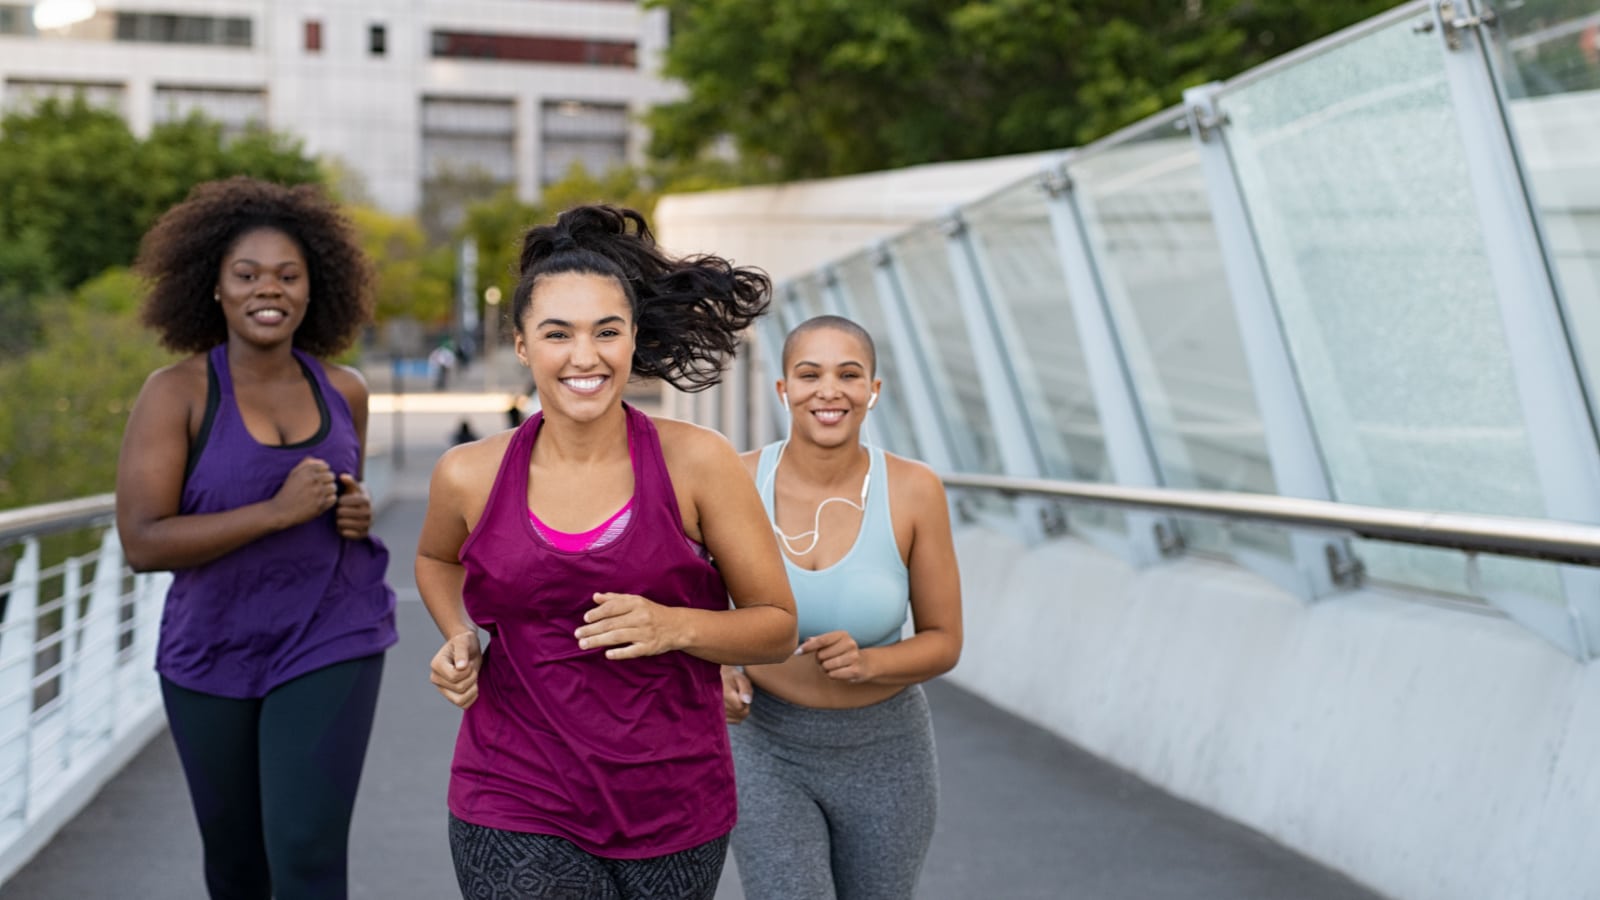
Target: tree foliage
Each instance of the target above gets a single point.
(78, 189)
(412, 281)
(808, 88)
(68, 400)
(496, 224)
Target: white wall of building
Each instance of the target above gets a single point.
(347, 103)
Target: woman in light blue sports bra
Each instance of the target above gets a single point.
(833, 749)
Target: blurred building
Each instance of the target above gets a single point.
(416, 97)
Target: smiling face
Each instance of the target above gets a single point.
(829, 383)
(577, 339)
(263, 287)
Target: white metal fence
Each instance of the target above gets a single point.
(78, 692)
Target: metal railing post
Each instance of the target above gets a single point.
(1561, 429)
(1324, 566)
(1127, 441)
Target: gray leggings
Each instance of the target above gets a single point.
(834, 803)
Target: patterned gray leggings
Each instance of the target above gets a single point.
(512, 865)
(834, 804)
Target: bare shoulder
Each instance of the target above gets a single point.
(693, 447)
(468, 463)
(345, 378)
(348, 381)
(179, 384)
(914, 482)
(751, 460)
(912, 472)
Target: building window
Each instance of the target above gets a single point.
(533, 48)
(469, 151)
(22, 95)
(313, 36)
(236, 110)
(377, 40)
(574, 133)
(16, 19)
(165, 28)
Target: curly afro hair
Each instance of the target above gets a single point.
(182, 257)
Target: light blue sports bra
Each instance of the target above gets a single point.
(868, 592)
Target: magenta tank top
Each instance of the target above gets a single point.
(629, 758)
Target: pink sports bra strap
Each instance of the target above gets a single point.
(574, 542)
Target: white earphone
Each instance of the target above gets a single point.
(815, 534)
(789, 540)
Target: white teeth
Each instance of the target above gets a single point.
(829, 416)
(583, 384)
(268, 316)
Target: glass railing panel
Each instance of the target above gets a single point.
(889, 423)
(1022, 276)
(769, 331)
(806, 292)
(923, 262)
(1148, 222)
(1023, 279)
(1548, 63)
(1354, 176)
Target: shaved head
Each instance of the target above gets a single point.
(835, 323)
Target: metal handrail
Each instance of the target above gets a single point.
(53, 517)
(1543, 539)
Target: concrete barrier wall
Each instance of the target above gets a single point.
(1427, 752)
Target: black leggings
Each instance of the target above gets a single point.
(274, 779)
(512, 865)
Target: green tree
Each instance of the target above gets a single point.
(180, 154)
(77, 386)
(409, 285)
(445, 196)
(78, 189)
(496, 223)
(70, 186)
(807, 88)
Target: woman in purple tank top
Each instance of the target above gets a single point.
(241, 473)
(592, 760)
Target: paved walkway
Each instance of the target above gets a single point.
(1022, 813)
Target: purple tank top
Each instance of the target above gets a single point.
(284, 604)
(624, 758)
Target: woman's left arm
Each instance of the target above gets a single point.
(730, 521)
(935, 646)
(353, 512)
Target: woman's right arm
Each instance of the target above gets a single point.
(440, 575)
(155, 450)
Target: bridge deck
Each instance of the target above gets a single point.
(1023, 814)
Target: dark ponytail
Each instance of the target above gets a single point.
(689, 312)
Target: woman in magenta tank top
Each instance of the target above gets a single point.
(615, 560)
(241, 473)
